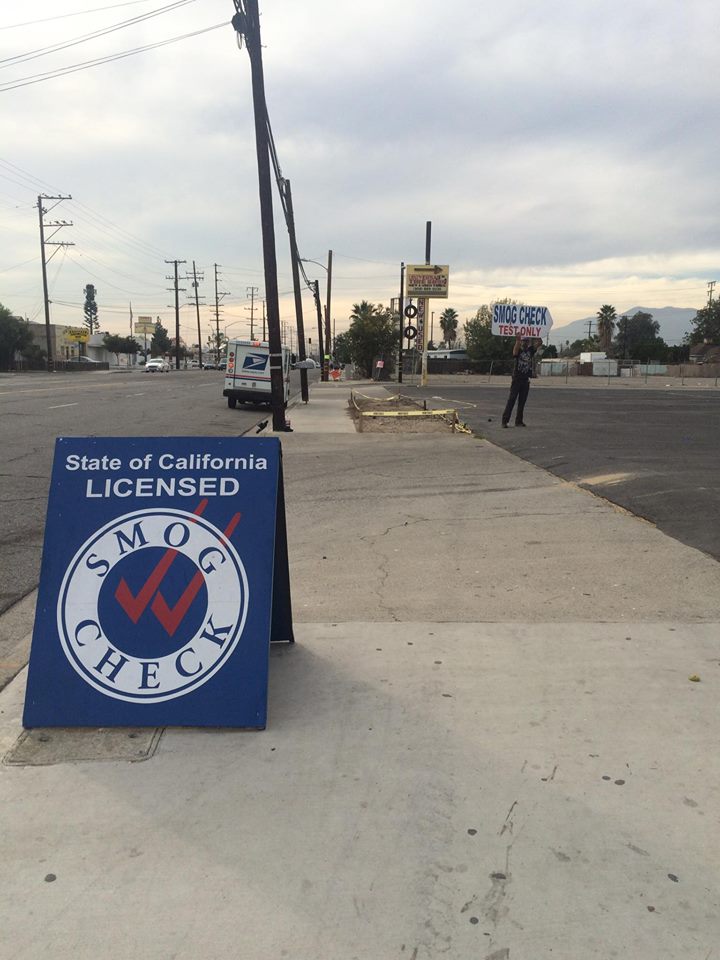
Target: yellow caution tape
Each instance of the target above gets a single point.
(406, 413)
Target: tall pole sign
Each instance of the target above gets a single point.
(426, 281)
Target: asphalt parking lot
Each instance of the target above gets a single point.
(653, 452)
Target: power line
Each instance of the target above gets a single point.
(75, 68)
(347, 256)
(94, 35)
(78, 13)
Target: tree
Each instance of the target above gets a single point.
(679, 354)
(636, 336)
(706, 324)
(550, 352)
(116, 344)
(654, 349)
(449, 325)
(342, 348)
(588, 345)
(160, 343)
(606, 317)
(373, 333)
(481, 343)
(90, 310)
(217, 343)
(15, 337)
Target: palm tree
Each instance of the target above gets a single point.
(606, 318)
(449, 324)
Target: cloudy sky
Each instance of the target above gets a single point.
(565, 152)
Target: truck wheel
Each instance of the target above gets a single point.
(231, 402)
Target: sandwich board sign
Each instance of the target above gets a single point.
(511, 319)
(164, 578)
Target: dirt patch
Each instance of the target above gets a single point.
(398, 414)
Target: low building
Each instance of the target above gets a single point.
(704, 353)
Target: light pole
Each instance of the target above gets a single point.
(324, 352)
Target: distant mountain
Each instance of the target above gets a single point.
(674, 324)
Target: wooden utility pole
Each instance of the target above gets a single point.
(58, 224)
(197, 311)
(251, 291)
(218, 295)
(176, 288)
(247, 24)
(295, 259)
(316, 293)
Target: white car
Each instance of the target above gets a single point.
(157, 365)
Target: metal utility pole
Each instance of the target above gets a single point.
(197, 310)
(711, 287)
(423, 374)
(247, 24)
(326, 355)
(58, 224)
(251, 291)
(401, 310)
(177, 309)
(218, 295)
(295, 258)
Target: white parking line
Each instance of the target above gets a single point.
(57, 406)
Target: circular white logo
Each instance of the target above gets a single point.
(152, 605)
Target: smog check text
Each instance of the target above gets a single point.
(215, 483)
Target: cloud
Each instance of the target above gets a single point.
(555, 148)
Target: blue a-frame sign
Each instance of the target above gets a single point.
(164, 578)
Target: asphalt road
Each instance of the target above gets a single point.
(36, 408)
(654, 452)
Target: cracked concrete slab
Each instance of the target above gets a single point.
(453, 528)
(422, 790)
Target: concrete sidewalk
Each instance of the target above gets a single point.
(484, 743)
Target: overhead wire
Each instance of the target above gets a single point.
(94, 35)
(88, 64)
(78, 208)
(15, 266)
(77, 13)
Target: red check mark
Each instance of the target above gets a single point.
(171, 617)
(134, 606)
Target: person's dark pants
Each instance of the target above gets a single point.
(518, 391)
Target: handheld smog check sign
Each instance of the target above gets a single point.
(511, 319)
(164, 578)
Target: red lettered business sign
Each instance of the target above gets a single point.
(164, 578)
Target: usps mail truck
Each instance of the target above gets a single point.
(247, 375)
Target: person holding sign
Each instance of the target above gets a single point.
(524, 350)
